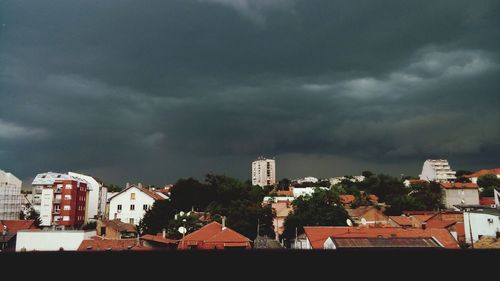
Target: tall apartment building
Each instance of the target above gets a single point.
(97, 193)
(63, 204)
(263, 172)
(10, 196)
(437, 170)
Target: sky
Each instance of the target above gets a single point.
(153, 91)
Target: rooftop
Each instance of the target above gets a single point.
(390, 242)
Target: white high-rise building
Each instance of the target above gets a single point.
(263, 172)
(437, 170)
(10, 196)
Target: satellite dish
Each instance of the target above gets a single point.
(182, 230)
(363, 221)
(349, 222)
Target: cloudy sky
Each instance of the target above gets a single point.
(152, 91)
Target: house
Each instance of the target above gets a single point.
(96, 206)
(402, 221)
(459, 193)
(10, 196)
(367, 215)
(51, 240)
(317, 235)
(130, 204)
(115, 229)
(347, 199)
(281, 211)
(437, 170)
(159, 242)
(334, 243)
(9, 229)
(96, 244)
(474, 176)
(214, 236)
(480, 221)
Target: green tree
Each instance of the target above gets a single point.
(323, 207)
(284, 184)
(35, 216)
(367, 174)
(488, 183)
(113, 188)
(157, 217)
(461, 173)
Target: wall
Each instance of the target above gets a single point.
(455, 197)
(480, 225)
(51, 240)
(124, 199)
(10, 196)
(46, 206)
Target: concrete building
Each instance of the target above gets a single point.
(306, 179)
(437, 170)
(480, 221)
(263, 172)
(10, 196)
(115, 229)
(51, 240)
(130, 204)
(459, 193)
(63, 204)
(96, 206)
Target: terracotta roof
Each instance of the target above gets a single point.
(423, 218)
(205, 232)
(152, 194)
(285, 193)
(486, 200)
(359, 211)
(14, 225)
(120, 226)
(412, 213)
(401, 220)
(440, 223)
(213, 233)
(228, 235)
(347, 198)
(389, 242)
(460, 228)
(111, 245)
(459, 185)
(484, 172)
(318, 234)
(159, 238)
(373, 198)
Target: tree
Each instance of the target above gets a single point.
(461, 173)
(284, 184)
(323, 207)
(114, 188)
(367, 174)
(157, 218)
(463, 180)
(35, 216)
(488, 183)
(90, 226)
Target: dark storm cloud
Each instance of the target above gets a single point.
(156, 90)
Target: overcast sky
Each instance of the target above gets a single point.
(152, 91)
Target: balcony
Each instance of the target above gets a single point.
(57, 201)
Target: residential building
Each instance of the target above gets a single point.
(97, 244)
(306, 180)
(437, 170)
(281, 211)
(8, 232)
(96, 205)
(474, 176)
(51, 240)
(480, 221)
(263, 172)
(10, 196)
(159, 242)
(334, 243)
(304, 191)
(315, 236)
(459, 193)
(130, 204)
(63, 204)
(337, 180)
(214, 236)
(367, 215)
(115, 229)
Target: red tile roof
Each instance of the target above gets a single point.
(288, 193)
(423, 218)
(484, 172)
(14, 225)
(401, 220)
(390, 242)
(111, 245)
(459, 185)
(152, 194)
(318, 234)
(213, 235)
(440, 223)
(459, 226)
(486, 200)
(159, 238)
(373, 198)
(347, 198)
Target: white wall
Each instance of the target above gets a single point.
(437, 170)
(460, 196)
(10, 196)
(480, 225)
(124, 200)
(94, 187)
(259, 172)
(46, 206)
(51, 240)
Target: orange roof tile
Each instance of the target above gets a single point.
(213, 233)
(347, 198)
(423, 218)
(486, 200)
(159, 238)
(479, 173)
(459, 185)
(373, 198)
(440, 223)
(14, 225)
(111, 245)
(401, 220)
(318, 234)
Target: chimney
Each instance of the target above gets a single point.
(164, 233)
(139, 185)
(223, 223)
(424, 225)
(127, 185)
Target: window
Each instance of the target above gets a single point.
(68, 186)
(119, 207)
(67, 207)
(67, 197)
(145, 207)
(132, 196)
(131, 220)
(132, 207)
(66, 218)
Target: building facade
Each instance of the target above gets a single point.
(437, 170)
(63, 204)
(10, 196)
(481, 222)
(459, 193)
(97, 196)
(51, 240)
(263, 172)
(131, 203)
